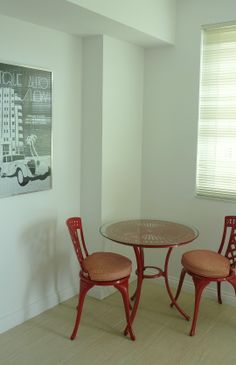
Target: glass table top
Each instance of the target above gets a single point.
(149, 233)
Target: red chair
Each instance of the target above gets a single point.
(208, 266)
(99, 268)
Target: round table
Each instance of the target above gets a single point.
(150, 233)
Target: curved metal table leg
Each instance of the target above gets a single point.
(140, 265)
(141, 257)
(165, 274)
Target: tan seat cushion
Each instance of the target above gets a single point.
(107, 266)
(206, 263)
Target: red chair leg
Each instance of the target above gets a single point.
(84, 288)
(181, 280)
(140, 260)
(123, 288)
(219, 292)
(133, 297)
(199, 284)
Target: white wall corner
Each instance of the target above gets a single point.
(188, 286)
(209, 292)
(12, 319)
(102, 292)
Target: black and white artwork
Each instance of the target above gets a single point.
(25, 129)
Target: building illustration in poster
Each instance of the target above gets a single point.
(25, 129)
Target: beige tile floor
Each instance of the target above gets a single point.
(162, 334)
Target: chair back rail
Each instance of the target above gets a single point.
(74, 225)
(228, 241)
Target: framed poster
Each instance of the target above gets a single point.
(25, 129)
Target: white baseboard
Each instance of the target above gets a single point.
(12, 319)
(101, 292)
(209, 292)
(188, 286)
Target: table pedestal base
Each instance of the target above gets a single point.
(139, 254)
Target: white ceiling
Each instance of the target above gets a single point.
(73, 19)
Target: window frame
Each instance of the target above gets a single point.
(199, 192)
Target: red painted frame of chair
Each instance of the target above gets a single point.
(201, 282)
(74, 225)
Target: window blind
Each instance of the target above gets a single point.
(216, 155)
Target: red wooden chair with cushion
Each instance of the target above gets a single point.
(99, 268)
(207, 266)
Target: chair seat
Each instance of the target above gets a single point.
(206, 263)
(107, 266)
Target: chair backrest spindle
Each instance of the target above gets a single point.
(74, 225)
(229, 234)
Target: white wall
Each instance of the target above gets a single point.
(154, 17)
(122, 129)
(170, 129)
(112, 136)
(91, 168)
(37, 262)
(123, 66)
(38, 266)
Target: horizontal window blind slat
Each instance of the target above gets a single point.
(216, 160)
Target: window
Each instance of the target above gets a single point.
(216, 158)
